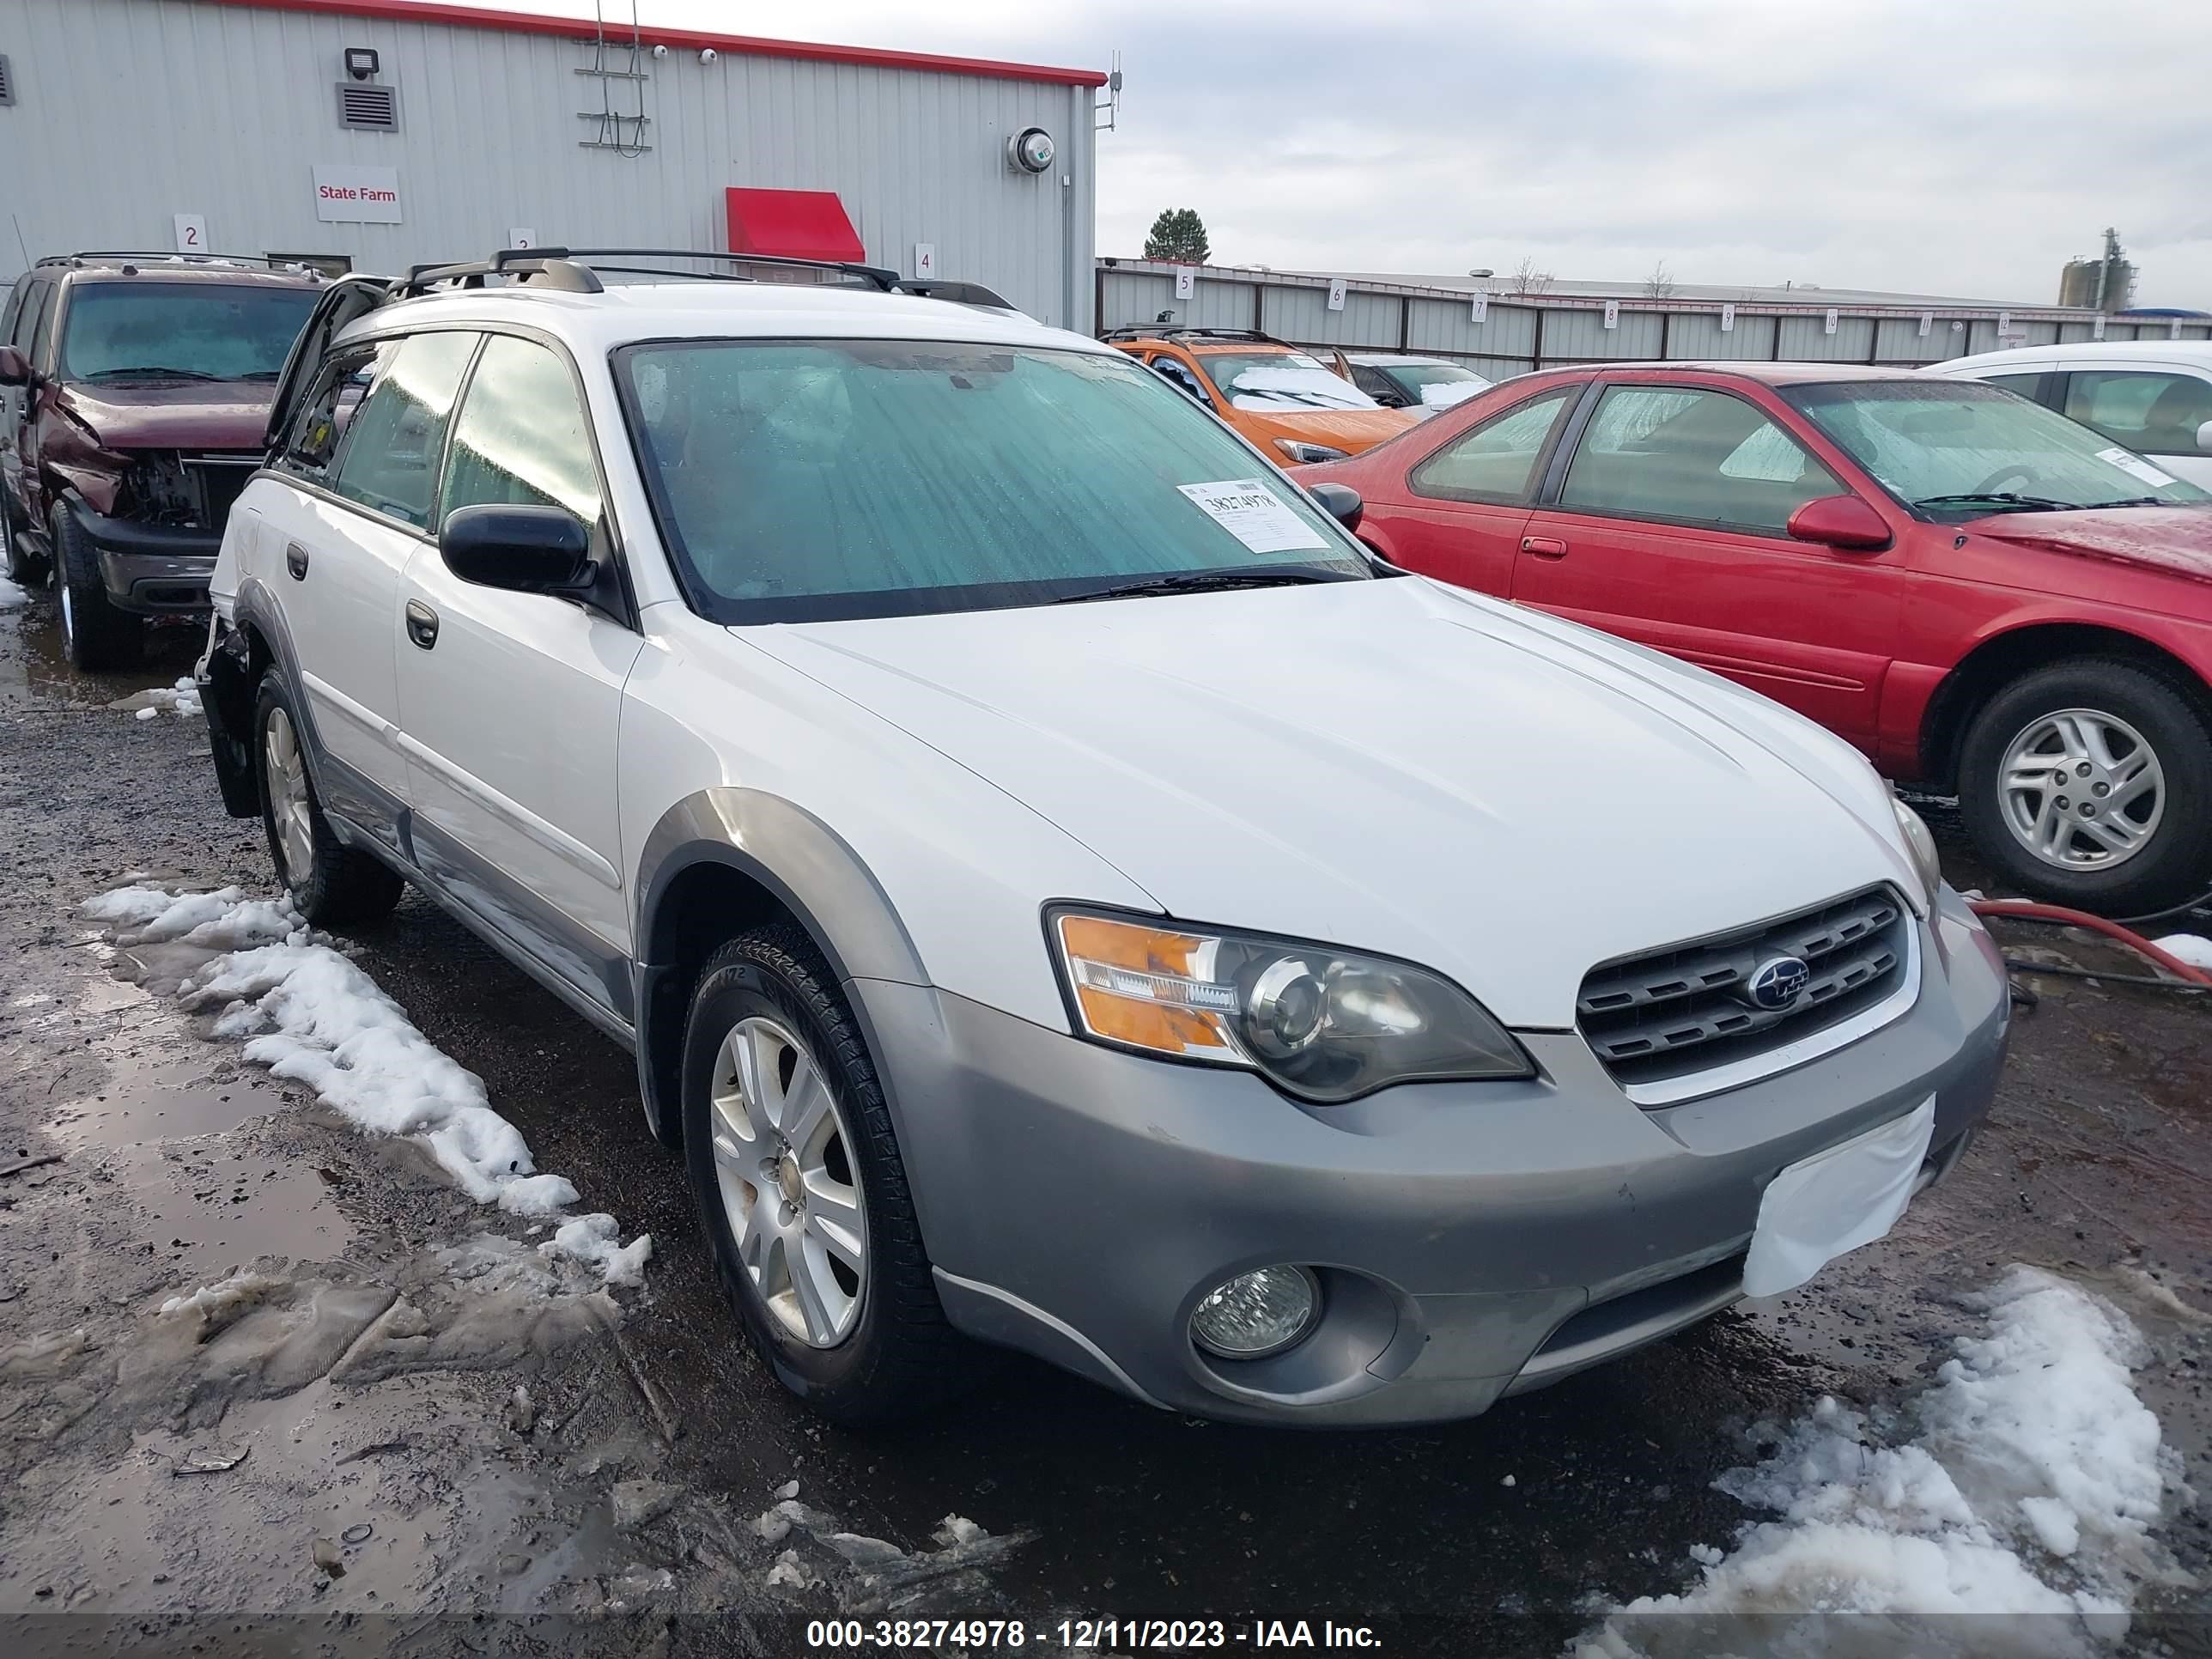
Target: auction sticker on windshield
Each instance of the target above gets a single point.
(1254, 514)
(2136, 466)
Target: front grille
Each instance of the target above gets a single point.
(1689, 1008)
(221, 475)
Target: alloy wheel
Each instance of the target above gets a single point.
(2081, 789)
(783, 1159)
(285, 772)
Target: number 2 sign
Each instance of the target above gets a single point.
(191, 233)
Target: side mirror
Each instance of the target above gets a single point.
(1340, 501)
(14, 366)
(1840, 521)
(2204, 437)
(524, 550)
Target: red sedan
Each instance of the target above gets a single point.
(1986, 597)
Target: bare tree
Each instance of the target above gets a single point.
(1659, 284)
(1525, 278)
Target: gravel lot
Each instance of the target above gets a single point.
(432, 1422)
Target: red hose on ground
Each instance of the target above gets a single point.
(2028, 910)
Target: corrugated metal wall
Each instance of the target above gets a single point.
(129, 112)
(1519, 334)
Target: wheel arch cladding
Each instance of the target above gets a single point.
(722, 861)
(1997, 661)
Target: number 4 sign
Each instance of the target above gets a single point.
(191, 233)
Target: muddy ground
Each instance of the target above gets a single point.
(410, 1431)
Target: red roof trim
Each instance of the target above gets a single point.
(575, 28)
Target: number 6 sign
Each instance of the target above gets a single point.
(191, 233)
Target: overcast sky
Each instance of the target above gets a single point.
(1964, 147)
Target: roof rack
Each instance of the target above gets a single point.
(958, 294)
(1164, 331)
(577, 271)
(170, 256)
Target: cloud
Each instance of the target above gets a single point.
(1969, 148)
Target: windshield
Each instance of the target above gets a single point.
(1278, 380)
(1957, 449)
(124, 330)
(1435, 386)
(837, 478)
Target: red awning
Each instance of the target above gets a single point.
(800, 224)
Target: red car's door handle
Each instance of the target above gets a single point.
(1544, 547)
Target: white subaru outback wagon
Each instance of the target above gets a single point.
(1063, 891)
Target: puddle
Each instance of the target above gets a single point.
(36, 671)
(207, 1209)
(160, 1096)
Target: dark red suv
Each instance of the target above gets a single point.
(133, 392)
(1986, 597)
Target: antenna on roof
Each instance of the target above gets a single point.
(1111, 109)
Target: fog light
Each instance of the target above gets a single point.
(1257, 1314)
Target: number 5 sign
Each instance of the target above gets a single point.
(191, 233)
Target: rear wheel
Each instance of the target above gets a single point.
(95, 635)
(799, 1183)
(332, 885)
(2090, 783)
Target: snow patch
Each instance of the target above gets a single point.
(12, 597)
(309, 1014)
(217, 1305)
(2194, 949)
(181, 699)
(1443, 394)
(2025, 1482)
(591, 1240)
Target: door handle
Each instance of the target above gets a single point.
(422, 624)
(295, 560)
(1544, 547)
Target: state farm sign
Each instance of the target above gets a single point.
(357, 195)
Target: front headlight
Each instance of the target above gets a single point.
(1921, 844)
(1303, 454)
(1322, 1024)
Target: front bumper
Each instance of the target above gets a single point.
(1473, 1239)
(151, 569)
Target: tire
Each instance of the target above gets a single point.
(893, 1355)
(332, 885)
(96, 636)
(2117, 707)
(27, 570)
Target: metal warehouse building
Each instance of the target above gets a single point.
(374, 134)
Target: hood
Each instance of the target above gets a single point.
(174, 415)
(1391, 766)
(2174, 540)
(1351, 430)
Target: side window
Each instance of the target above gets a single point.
(1378, 385)
(522, 438)
(26, 317)
(38, 327)
(1179, 373)
(1496, 461)
(388, 461)
(313, 442)
(2028, 385)
(1692, 457)
(2157, 411)
(15, 297)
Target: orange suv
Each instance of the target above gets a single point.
(1288, 402)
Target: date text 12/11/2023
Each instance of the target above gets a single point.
(1085, 1635)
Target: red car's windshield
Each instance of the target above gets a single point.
(1953, 450)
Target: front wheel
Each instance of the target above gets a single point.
(2090, 783)
(799, 1183)
(95, 635)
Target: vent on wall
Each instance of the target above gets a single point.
(7, 81)
(363, 103)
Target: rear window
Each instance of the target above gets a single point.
(799, 480)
